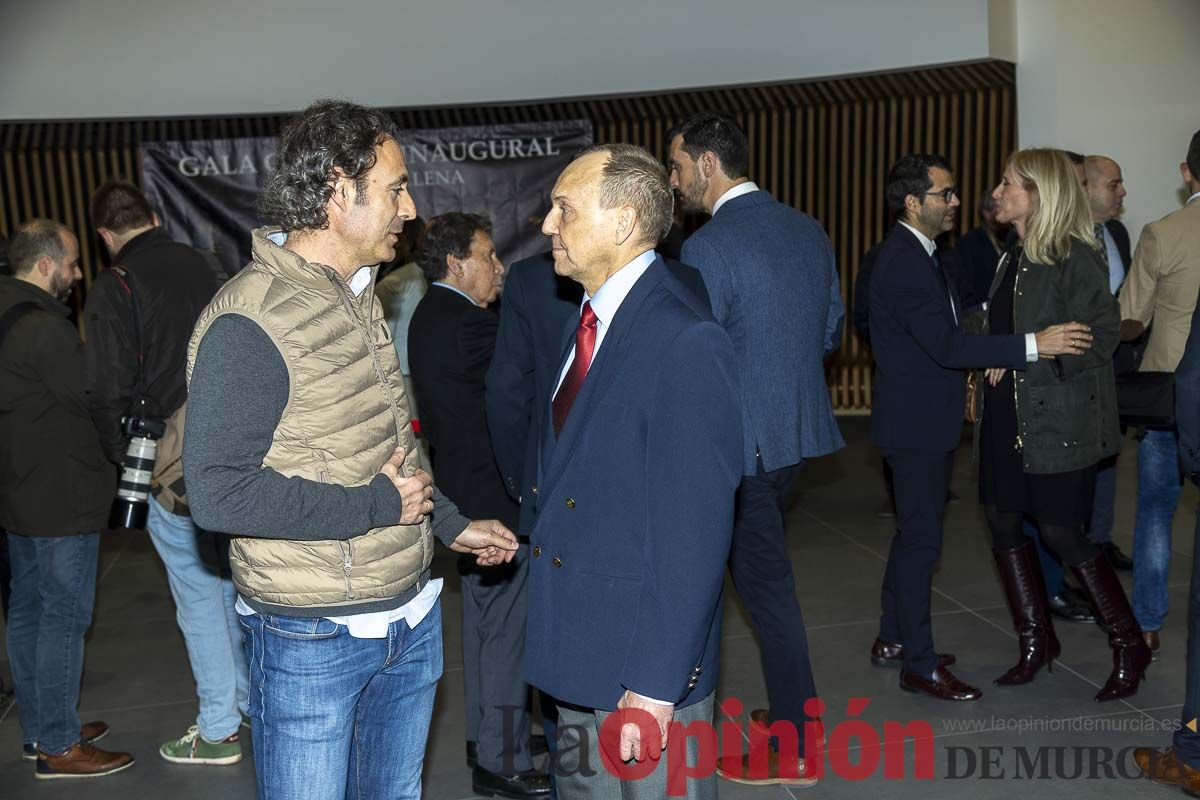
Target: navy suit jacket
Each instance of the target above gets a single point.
(921, 352)
(537, 307)
(634, 508)
(773, 283)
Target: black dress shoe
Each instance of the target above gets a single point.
(537, 747)
(521, 785)
(1115, 557)
(888, 654)
(942, 686)
(1066, 607)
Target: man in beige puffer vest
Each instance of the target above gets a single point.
(298, 444)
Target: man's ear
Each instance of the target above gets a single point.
(708, 163)
(107, 237)
(453, 265)
(1188, 177)
(342, 188)
(44, 266)
(626, 223)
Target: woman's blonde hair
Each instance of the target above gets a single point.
(1058, 206)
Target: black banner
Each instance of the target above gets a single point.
(205, 191)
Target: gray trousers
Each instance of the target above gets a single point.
(494, 604)
(579, 737)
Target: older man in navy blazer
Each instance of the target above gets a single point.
(921, 353)
(638, 464)
(773, 283)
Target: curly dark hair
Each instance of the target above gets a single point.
(447, 234)
(328, 135)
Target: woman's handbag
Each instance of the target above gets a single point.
(971, 413)
(1147, 399)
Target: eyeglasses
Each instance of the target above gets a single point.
(945, 194)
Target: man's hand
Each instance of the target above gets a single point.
(416, 491)
(488, 540)
(631, 736)
(1067, 339)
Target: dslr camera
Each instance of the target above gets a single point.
(132, 504)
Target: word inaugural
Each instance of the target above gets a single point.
(194, 166)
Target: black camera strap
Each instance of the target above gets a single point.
(125, 278)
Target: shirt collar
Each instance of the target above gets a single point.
(736, 191)
(1193, 197)
(456, 290)
(929, 244)
(358, 281)
(612, 292)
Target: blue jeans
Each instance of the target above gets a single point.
(1186, 743)
(1159, 484)
(335, 716)
(53, 592)
(197, 565)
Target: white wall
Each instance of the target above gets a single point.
(1116, 78)
(120, 58)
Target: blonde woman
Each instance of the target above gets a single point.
(1041, 432)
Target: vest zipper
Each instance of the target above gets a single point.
(365, 331)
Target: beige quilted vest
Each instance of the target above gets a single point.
(346, 412)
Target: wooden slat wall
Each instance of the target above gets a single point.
(822, 146)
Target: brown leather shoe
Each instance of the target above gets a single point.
(1151, 639)
(888, 654)
(90, 733)
(942, 686)
(761, 718)
(756, 776)
(1163, 766)
(81, 761)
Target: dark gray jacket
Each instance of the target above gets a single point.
(1066, 406)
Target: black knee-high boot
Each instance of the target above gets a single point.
(1131, 656)
(1026, 590)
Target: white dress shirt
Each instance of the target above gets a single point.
(736, 191)
(374, 625)
(456, 290)
(1031, 352)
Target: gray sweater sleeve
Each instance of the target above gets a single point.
(238, 391)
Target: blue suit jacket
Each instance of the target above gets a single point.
(634, 508)
(537, 307)
(773, 284)
(920, 352)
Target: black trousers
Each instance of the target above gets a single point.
(922, 480)
(762, 574)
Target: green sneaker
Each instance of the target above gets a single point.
(192, 748)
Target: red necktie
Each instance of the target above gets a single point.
(585, 343)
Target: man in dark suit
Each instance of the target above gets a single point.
(450, 342)
(537, 306)
(773, 283)
(916, 414)
(637, 468)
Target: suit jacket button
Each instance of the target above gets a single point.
(556, 561)
(533, 489)
(537, 552)
(570, 503)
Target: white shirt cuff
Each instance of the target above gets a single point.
(1031, 353)
(650, 699)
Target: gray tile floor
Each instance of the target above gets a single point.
(137, 676)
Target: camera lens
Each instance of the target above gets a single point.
(131, 506)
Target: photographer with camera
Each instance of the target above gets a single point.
(55, 489)
(139, 316)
